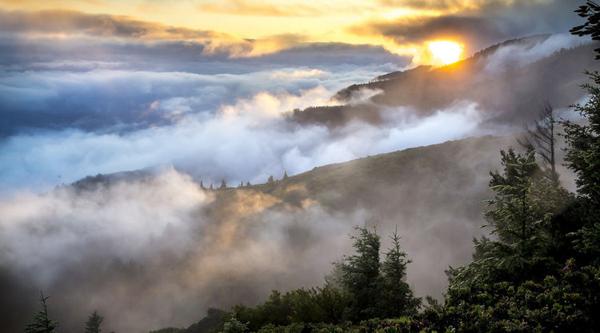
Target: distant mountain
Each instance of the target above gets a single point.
(501, 79)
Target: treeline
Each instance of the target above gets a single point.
(42, 323)
(361, 287)
(271, 180)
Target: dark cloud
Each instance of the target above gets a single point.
(72, 22)
(488, 22)
(474, 31)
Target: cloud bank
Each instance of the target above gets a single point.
(246, 141)
(147, 253)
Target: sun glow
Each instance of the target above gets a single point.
(445, 52)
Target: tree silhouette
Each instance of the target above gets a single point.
(398, 298)
(41, 322)
(541, 137)
(591, 12)
(92, 325)
(361, 275)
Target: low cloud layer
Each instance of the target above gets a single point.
(246, 141)
(147, 254)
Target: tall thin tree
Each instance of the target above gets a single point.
(41, 322)
(398, 298)
(541, 137)
(92, 325)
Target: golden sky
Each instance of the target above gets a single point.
(277, 24)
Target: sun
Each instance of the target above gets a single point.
(445, 52)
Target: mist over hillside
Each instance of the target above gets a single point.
(158, 238)
(174, 249)
(164, 160)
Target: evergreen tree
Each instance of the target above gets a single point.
(398, 298)
(41, 322)
(583, 157)
(92, 325)
(361, 275)
(285, 175)
(591, 12)
(271, 180)
(247, 184)
(223, 185)
(201, 185)
(233, 325)
(510, 214)
(583, 140)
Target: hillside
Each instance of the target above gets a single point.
(413, 189)
(434, 195)
(500, 79)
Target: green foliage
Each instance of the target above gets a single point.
(583, 140)
(315, 305)
(41, 322)
(562, 303)
(590, 11)
(399, 325)
(233, 325)
(92, 325)
(169, 330)
(361, 275)
(359, 288)
(397, 297)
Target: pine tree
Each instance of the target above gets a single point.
(398, 298)
(223, 185)
(271, 180)
(361, 275)
(285, 175)
(510, 214)
(93, 323)
(591, 12)
(583, 140)
(41, 322)
(233, 325)
(247, 184)
(201, 185)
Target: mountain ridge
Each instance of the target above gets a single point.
(506, 94)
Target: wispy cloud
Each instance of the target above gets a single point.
(261, 8)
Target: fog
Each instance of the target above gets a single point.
(254, 138)
(147, 254)
(157, 250)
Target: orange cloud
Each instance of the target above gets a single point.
(251, 8)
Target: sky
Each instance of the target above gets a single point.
(101, 86)
(243, 28)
